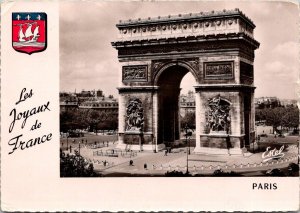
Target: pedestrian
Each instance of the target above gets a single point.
(131, 163)
(145, 166)
(70, 149)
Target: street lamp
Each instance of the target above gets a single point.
(258, 140)
(298, 150)
(187, 134)
(67, 143)
(79, 148)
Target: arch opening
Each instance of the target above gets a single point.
(169, 117)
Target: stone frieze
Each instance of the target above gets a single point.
(218, 70)
(135, 73)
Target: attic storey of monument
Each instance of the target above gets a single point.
(217, 48)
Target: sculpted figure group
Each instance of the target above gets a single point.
(218, 118)
(135, 115)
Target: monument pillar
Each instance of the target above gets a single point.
(121, 123)
(155, 115)
(200, 115)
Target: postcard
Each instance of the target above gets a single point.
(149, 106)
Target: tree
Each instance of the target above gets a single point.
(260, 114)
(274, 117)
(75, 166)
(286, 117)
(290, 118)
(189, 120)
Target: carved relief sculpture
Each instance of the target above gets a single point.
(221, 70)
(218, 118)
(135, 73)
(134, 115)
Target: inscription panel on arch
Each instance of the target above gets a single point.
(134, 73)
(219, 70)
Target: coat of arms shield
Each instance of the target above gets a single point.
(29, 32)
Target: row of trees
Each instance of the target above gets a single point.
(284, 117)
(88, 119)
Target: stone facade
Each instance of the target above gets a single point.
(155, 54)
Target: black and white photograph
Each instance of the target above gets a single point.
(178, 89)
(152, 106)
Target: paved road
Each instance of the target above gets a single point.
(158, 163)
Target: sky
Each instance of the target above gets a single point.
(88, 61)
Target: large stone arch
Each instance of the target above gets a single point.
(217, 48)
(185, 64)
(168, 79)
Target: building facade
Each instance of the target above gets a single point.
(84, 100)
(187, 103)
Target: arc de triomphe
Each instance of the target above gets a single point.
(217, 48)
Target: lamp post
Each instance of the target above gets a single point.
(79, 147)
(67, 143)
(189, 143)
(188, 147)
(258, 140)
(298, 150)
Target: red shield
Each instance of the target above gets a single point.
(29, 32)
